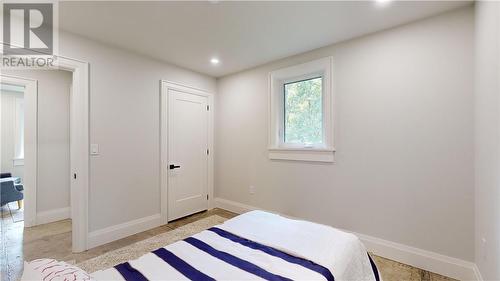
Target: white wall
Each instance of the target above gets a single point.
(53, 182)
(125, 122)
(8, 133)
(488, 139)
(53, 187)
(403, 134)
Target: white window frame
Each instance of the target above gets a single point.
(278, 149)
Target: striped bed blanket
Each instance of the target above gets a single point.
(254, 246)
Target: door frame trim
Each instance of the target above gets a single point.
(165, 86)
(79, 149)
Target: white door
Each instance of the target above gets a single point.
(187, 154)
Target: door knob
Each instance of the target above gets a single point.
(173, 167)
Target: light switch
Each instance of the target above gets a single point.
(94, 149)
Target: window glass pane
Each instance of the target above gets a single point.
(303, 112)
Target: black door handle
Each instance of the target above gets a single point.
(173, 167)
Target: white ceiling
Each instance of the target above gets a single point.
(240, 34)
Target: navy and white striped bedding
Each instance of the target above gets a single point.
(224, 253)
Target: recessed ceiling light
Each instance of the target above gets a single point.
(383, 2)
(214, 61)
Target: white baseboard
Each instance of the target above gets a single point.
(234, 206)
(479, 277)
(115, 232)
(53, 215)
(427, 260)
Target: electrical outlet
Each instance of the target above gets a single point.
(251, 189)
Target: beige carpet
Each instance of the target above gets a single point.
(390, 270)
(140, 248)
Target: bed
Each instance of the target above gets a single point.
(254, 246)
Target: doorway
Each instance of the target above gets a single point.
(78, 172)
(19, 149)
(47, 184)
(12, 155)
(186, 140)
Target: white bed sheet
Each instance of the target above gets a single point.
(341, 253)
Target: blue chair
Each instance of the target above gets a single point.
(9, 192)
(17, 180)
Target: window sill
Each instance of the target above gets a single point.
(18, 162)
(325, 155)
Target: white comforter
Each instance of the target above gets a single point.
(254, 246)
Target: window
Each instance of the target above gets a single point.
(301, 112)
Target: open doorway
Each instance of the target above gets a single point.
(79, 161)
(35, 169)
(77, 168)
(12, 153)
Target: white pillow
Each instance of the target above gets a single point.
(53, 270)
